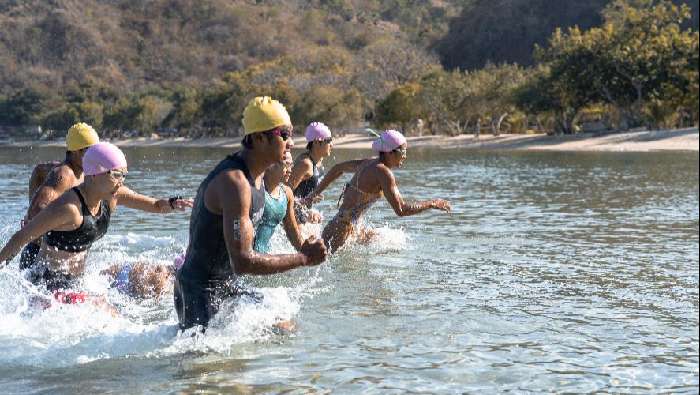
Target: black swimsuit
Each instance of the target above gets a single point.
(307, 186)
(206, 276)
(304, 189)
(91, 230)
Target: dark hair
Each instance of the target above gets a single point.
(309, 145)
(247, 141)
(67, 156)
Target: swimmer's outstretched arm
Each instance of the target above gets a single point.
(400, 206)
(127, 197)
(231, 195)
(54, 216)
(291, 227)
(333, 174)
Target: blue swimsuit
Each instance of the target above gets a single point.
(275, 211)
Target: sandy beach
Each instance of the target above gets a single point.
(635, 141)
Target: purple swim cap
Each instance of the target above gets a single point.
(317, 131)
(101, 158)
(179, 261)
(388, 141)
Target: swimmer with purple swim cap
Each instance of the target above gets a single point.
(308, 171)
(372, 179)
(74, 221)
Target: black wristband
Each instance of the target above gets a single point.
(172, 200)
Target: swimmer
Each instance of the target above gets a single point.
(140, 280)
(79, 217)
(227, 209)
(279, 206)
(308, 171)
(50, 180)
(373, 178)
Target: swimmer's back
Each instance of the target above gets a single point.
(39, 175)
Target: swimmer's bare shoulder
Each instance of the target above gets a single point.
(39, 175)
(59, 180)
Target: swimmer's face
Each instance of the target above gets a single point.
(400, 154)
(110, 182)
(287, 167)
(281, 170)
(325, 146)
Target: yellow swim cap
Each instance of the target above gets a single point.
(81, 135)
(264, 113)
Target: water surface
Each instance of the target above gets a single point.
(566, 272)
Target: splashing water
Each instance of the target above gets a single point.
(66, 334)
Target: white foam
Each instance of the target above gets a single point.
(65, 335)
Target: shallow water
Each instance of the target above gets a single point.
(565, 272)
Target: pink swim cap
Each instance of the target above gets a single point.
(388, 141)
(101, 158)
(317, 131)
(179, 261)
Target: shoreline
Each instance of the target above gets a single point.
(635, 141)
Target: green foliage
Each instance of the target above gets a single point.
(639, 61)
(192, 65)
(22, 107)
(400, 107)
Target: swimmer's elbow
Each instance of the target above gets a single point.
(241, 263)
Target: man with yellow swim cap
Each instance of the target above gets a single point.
(227, 209)
(50, 180)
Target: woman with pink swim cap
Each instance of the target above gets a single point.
(308, 171)
(373, 177)
(79, 217)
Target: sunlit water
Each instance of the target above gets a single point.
(555, 272)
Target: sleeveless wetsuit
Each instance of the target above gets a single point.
(91, 230)
(275, 211)
(304, 189)
(206, 276)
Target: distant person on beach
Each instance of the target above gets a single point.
(227, 209)
(373, 177)
(79, 217)
(50, 180)
(279, 206)
(308, 170)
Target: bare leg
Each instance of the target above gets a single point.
(336, 232)
(286, 326)
(366, 235)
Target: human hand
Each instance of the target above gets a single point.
(180, 204)
(441, 204)
(314, 217)
(314, 250)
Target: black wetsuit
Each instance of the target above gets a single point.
(206, 276)
(304, 189)
(91, 230)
